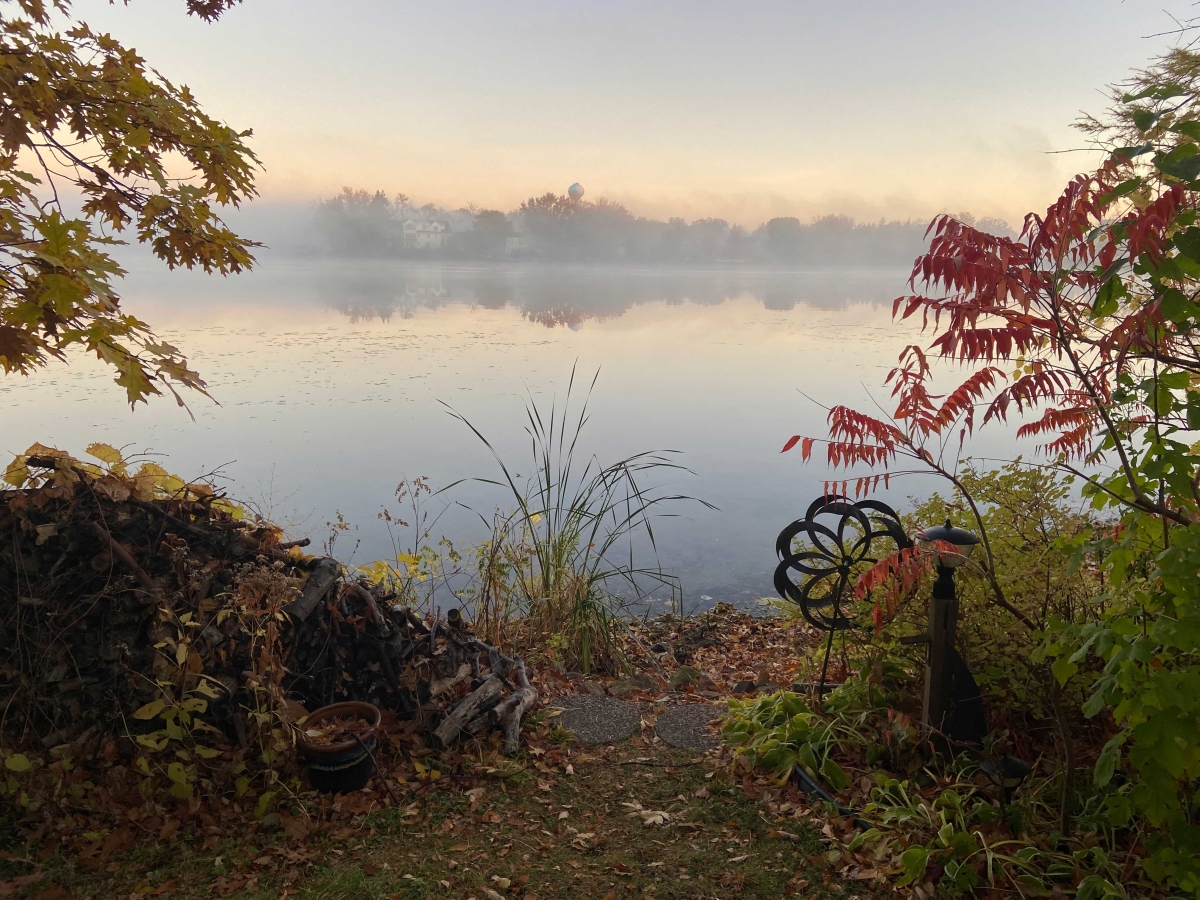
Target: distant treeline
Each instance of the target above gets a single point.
(358, 223)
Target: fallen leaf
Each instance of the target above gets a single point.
(295, 827)
(53, 891)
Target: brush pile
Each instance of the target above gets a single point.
(136, 606)
(351, 642)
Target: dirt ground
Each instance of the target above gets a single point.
(632, 820)
(635, 819)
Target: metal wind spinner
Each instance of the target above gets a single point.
(825, 552)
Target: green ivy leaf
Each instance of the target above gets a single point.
(1188, 242)
(1189, 128)
(1193, 411)
(17, 762)
(1063, 669)
(1133, 152)
(913, 862)
(1143, 119)
(1185, 170)
(149, 711)
(1093, 704)
(1125, 187)
(1175, 306)
(1107, 298)
(265, 802)
(835, 774)
(1106, 763)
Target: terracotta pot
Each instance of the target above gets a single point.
(346, 765)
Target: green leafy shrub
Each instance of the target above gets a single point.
(1094, 310)
(934, 822)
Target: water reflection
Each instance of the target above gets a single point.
(554, 296)
(328, 405)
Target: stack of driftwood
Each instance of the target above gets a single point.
(350, 641)
(119, 590)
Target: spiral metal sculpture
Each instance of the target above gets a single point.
(821, 554)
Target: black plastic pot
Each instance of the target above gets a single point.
(345, 766)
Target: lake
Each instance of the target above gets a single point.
(330, 379)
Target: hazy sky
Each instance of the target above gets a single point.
(744, 110)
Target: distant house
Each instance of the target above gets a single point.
(517, 245)
(426, 235)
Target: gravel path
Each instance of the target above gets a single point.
(598, 720)
(685, 726)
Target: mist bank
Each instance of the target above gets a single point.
(360, 224)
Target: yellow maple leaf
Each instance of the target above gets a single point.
(106, 453)
(17, 472)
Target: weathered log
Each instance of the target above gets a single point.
(385, 630)
(182, 526)
(513, 708)
(439, 686)
(319, 581)
(476, 704)
(126, 559)
(484, 707)
(246, 544)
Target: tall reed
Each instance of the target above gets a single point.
(566, 555)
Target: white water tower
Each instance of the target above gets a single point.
(575, 192)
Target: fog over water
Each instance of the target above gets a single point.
(331, 377)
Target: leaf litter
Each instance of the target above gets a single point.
(471, 809)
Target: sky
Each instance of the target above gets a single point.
(743, 111)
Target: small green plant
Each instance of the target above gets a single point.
(424, 562)
(936, 822)
(780, 732)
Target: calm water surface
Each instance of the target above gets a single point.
(328, 377)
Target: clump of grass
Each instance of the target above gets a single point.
(564, 559)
